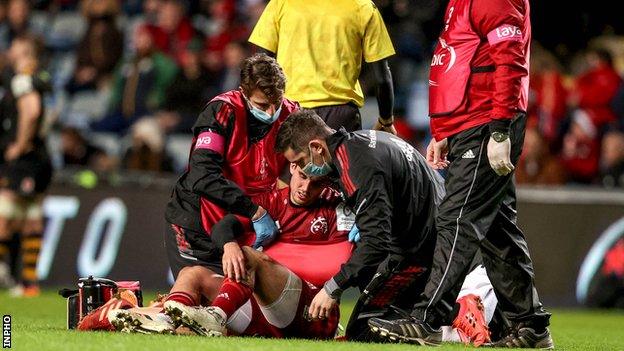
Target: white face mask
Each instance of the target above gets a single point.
(262, 116)
(313, 170)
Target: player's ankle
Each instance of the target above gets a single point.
(181, 297)
(218, 310)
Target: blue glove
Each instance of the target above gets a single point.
(265, 229)
(354, 234)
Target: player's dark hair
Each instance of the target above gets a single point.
(262, 72)
(298, 129)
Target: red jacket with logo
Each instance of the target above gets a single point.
(479, 71)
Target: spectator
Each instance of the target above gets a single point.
(233, 55)
(189, 92)
(226, 25)
(147, 152)
(537, 166)
(101, 47)
(139, 84)
(596, 88)
(77, 151)
(18, 22)
(148, 18)
(547, 94)
(581, 149)
(173, 30)
(612, 160)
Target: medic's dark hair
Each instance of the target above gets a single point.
(262, 72)
(298, 129)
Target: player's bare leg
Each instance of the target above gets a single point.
(193, 284)
(9, 210)
(265, 278)
(275, 287)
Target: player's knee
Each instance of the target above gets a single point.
(33, 226)
(255, 258)
(33, 219)
(190, 273)
(9, 211)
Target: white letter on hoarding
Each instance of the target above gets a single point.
(110, 210)
(56, 209)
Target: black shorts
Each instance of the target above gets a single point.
(28, 175)
(336, 116)
(181, 254)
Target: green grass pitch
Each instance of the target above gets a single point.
(39, 324)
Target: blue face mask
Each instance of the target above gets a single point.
(262, 116)
(312, 170)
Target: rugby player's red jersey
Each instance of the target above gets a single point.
(313, 240)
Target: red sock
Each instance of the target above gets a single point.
(181, 297)
(232, 296)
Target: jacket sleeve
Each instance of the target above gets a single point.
(374, 220)
(502, 23)
(205, 176)
(385, 89)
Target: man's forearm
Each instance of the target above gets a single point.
(28, 108)
(226, 230)
(384, 87)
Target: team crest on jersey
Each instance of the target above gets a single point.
(319, 226)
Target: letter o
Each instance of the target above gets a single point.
(112, 210)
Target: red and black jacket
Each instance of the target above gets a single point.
(231, 160)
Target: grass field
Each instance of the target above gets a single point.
(39, 324)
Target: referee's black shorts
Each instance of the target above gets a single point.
(181, 254)
(337, 116)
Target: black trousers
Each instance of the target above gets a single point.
(478, 213)
(336, 116)
(180, 254)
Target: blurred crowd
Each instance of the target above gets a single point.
(130, 77)
(127, 75)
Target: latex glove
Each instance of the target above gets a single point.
(354, 234)
(499, 156)
(265, 229)
(436, 153)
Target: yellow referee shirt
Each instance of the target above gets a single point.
(320, 45)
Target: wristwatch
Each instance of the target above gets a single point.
(499, 137)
